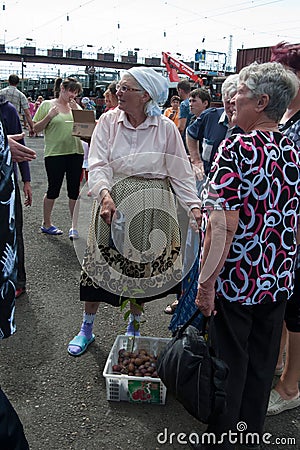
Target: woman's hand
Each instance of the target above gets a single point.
(53, 111)
(27, 193)
(198, 170)
(205, 300)
(196, 219)
(73, 104)
(108, 208)
(42, 124)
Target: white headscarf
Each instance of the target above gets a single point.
(153, 83)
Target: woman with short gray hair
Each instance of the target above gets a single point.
(250, 214)
(270, 79)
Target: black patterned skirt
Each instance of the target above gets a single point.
(138, 256)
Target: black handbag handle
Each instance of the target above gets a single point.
(191, 320)
(207, 324)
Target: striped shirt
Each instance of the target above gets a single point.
(16, 97)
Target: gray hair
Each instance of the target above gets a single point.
(229, 86)
(271, 78)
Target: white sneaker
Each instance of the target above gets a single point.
(277, 404)
(278, 372)
(73, 234)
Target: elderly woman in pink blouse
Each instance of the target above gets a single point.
(136, 163)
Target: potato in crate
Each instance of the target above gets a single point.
(130, 370)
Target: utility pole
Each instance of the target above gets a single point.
(22, 74)
(229, 54)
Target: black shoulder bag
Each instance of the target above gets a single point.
(190, 370)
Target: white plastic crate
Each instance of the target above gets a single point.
(131, 388)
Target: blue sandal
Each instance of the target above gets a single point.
(80, 343)
(51, 230)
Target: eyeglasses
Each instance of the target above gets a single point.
(124, 88)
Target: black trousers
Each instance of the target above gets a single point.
(21, 273)
(59, 166)
(248, 340)
(292, 312)
(12, 435)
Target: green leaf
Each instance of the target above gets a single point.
(139, 307)
(126, 315)
(136, 325)
(133, 302)
(124, 304)
(138, 291)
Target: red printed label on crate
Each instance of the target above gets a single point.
(143, 391)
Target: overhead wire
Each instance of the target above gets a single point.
(211, 15)
(64, 14)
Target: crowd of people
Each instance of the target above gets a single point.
(232, 173)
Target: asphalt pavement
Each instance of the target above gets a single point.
(62, 400)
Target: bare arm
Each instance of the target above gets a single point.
(221, 229)
(27, 193)
(181, 125)
(41, 125)
(29, 119)
(193, 148)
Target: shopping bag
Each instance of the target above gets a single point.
(189, 368)
(186, 302)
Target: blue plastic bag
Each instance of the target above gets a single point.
(186, 303)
